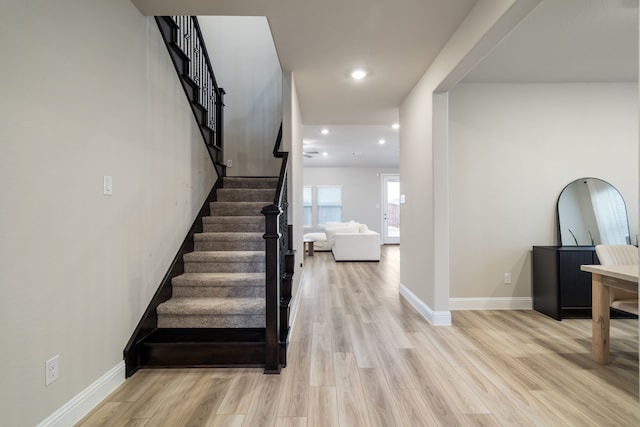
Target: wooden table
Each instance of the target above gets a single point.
(603, 279)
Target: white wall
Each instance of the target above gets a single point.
(361, 191)
(292, 142)
(246, 65)
(424, 261)
(513, 148)
(88, 90)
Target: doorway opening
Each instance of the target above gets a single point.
(391, 209)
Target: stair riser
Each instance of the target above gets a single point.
(235, 209)
(203, 354)
(219, 291)
(229, 246)
(230, 227)
(200, 112)
(245, 195)
(224, 267)
(202, 321)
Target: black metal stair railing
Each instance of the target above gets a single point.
(184, 41)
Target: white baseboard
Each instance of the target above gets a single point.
(73, 411)
(499, 303)
(437, 318)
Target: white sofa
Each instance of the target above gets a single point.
(357, 246)
(348, 241)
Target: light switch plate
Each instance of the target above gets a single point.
(107, 185)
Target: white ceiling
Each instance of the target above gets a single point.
(321, 41)
(351, 146)
(568, 41)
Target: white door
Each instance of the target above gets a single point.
(390, 209)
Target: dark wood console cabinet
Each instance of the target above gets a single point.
(559, 287)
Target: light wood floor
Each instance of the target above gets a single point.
(361, 356)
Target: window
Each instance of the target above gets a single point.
(307, 203)
(329, 204)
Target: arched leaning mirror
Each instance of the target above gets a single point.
(592, 212)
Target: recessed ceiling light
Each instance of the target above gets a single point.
(396, 126)
(325, 154)
(324, 131)
(358, 74)
(382, 141)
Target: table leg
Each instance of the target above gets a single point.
(600, 320)
(310, 248)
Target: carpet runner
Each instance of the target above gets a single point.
(223, 285)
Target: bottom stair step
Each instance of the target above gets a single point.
(225, 347)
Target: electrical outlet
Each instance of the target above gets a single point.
(51, 370)
(507, 278)
(229, 163)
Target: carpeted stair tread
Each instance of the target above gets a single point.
(224, 256)
(228, 236)
(242, 204)
(219, 285)
(212, 306)
(264, 195)
(224, 261)
(259, 219)
(229, 241)
(219, 279)
(250, 182)
(237, 208)
(233, 224)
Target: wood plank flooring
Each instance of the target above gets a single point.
(361, 356)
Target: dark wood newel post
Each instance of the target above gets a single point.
(272, 252)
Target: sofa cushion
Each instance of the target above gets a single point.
(335, 224)
(331, 231)
(316, 237)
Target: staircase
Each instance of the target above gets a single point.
(216, 313)
(224, 281)
(225, 298)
